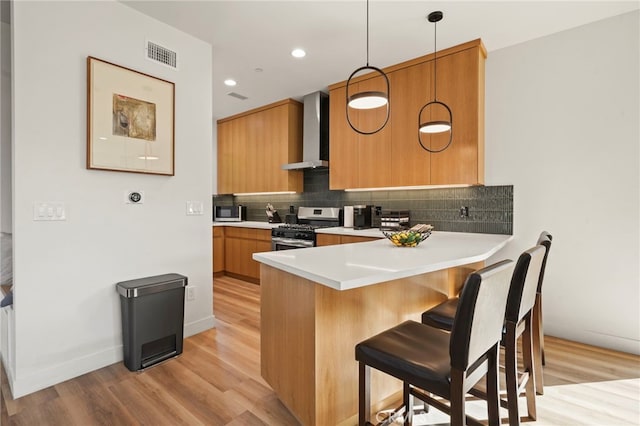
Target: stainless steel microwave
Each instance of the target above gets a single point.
(229, 213)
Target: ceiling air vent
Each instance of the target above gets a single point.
(237, 95)
(161, 54)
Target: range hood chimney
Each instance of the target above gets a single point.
(315, 133)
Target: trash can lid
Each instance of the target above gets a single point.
(149, 285)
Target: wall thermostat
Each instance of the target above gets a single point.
(134, 197)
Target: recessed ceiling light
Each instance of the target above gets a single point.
(298, 53)
(230, 82)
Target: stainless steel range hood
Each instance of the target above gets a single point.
(315, 133)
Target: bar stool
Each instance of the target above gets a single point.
(446, 364)
(518, 322)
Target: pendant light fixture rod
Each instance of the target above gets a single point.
(367, 32)
(435, 17)
(435, 60)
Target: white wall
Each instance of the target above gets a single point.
(562, 126)
(5, 126)
(67, 310)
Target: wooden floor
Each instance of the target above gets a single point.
(216, 381)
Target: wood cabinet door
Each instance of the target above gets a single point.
(374, 151)
(411, 89)
(218, 249)
(239, 136)
(343, 152)
(275, 149)
(272, 148)
(293, 179)
(225, 158)
(237, 259)
(327, 240)
(348, 239)
(239, 245)
(460, 84)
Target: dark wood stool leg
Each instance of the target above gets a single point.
(529, 367)
(493, 393)
(538, 343)
(458, 413)
(511, 373)
(364, 394)
(407, 401)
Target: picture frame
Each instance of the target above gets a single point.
(130, 120)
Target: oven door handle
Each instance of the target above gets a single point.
(292, 242)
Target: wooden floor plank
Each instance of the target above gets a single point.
(216, 381)
(149, 404)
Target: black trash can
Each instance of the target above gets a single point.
(152, 319)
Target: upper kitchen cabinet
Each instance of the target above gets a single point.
(410, 90)
(393, 157)
(460, 82)
(374, 150)
(343, 154)
(357, 160)
(225, 156)
(252, 147)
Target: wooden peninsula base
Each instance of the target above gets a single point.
(309, 332)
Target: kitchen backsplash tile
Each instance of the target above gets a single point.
(490, 207)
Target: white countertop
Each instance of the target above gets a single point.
(340, 230)
(347, 266)
(248, 224)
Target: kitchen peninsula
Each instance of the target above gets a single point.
(317, 303)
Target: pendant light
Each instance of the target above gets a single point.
(435, 126)
(367, 99)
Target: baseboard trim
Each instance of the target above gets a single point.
(9, 372)
(53, 375)
(199, 326)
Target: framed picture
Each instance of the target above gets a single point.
(130, 120)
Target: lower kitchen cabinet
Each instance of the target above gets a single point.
(348, 239)
(218, 249)
(327, 240)
(330, 239)
(233, 249)
(239, 246)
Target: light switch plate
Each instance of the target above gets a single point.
(49, 211)
(195, 208)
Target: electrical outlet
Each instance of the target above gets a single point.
(191, 293)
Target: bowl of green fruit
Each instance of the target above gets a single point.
(409, 237)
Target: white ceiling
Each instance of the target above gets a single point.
(246, 35)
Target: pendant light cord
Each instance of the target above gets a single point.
(435, 61)
(367, 32)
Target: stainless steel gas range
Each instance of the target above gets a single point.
(302, 234)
